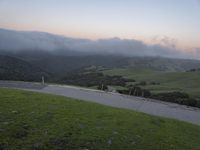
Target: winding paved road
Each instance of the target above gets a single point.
(149, 106)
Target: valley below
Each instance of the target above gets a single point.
(166, 79)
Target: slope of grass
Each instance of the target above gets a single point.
(188, 82)
(39, 121)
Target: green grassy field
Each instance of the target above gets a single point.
(188, 82)
(39, 121)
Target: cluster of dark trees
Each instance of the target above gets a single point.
(144, 83)
(174, 97)
(94, 79)
(177, 97)
(102, 87)
(136, 91)
(194, 70)
(154, 83)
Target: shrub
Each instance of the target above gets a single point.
(102, 87)
(93, 79)
(143, 83)
(177, 97)
(136, 91)
(154, 83)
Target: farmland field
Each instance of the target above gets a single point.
(188, 82)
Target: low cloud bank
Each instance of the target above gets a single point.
(11, 40)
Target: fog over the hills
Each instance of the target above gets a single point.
(11, 40)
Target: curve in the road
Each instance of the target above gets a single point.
(153, 107)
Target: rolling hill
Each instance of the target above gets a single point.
(163, 64)
(12, 68)
(187, 82)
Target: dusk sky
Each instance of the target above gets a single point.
(147, 20)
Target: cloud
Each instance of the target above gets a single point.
(19, 40)
(196, 53)
(164, 41)
(127, 47)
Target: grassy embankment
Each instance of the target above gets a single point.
(39, 121)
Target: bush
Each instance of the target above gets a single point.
(123, 92)
(102, 87)
(136, 91)
(93, 79)
(198, 103)
(154, 83)
(177, 97)
(142, 83)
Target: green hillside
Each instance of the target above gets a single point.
(39, 121)
(188, 82)
(163, 64)
(12, 68)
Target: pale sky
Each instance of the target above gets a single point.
(144, 20)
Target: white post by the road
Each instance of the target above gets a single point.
(43, 80)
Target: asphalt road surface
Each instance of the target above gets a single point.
(149, 106)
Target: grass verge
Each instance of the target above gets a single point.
(31, 120)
